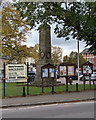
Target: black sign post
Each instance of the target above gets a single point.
(66, 70)
(87, 70)
(4, 79)
(48, 71)
(27, 79)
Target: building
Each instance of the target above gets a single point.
(2, 60)
(31, 62)
(89, 57)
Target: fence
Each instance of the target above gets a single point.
(23, 89)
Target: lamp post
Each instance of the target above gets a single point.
(78, 61)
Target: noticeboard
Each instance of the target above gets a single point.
(87, 68)
(16, 73)
(66, 69)
(48, 71)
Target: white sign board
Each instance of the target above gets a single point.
(16, 73)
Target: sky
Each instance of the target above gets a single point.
(67, 46)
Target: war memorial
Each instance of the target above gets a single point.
(44, 52)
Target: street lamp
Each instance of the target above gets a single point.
(78, 61)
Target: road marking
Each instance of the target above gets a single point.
(29, 107)
(60, 104)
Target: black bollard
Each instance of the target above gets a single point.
(93, 82)
(4, 87)
(23, 90)
(66, 84)
(52, 89)
(66, 89)
(76, 87)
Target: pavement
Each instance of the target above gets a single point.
(48, 99)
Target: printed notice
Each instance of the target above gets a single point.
(70, 70)
(51, 72)
(45, 72)
(63, 71)
(87, 69)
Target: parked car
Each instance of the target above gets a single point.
(31, 76)
(75, 77)
(81, 77)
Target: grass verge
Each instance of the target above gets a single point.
(13, 90)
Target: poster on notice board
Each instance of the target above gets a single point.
(70, 70)
(63, 71)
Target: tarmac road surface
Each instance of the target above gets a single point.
(65, 110)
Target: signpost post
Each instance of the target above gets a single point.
(4, 79)
(27, 79)
(87, 70)
(66, 70)
(48, 71)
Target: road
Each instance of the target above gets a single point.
(65, 110)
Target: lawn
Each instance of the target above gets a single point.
(13, 90)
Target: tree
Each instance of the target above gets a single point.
(56, 55)
(66, 58)
(14, 31)
(79, 22)
(73, 58)
(89, 32)
(76, 19)
(34, 52)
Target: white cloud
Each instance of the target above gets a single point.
(67, 46)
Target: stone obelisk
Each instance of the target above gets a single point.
(44, 51)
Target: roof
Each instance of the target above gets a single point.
(87, 63)
(85, 51)
(48, 65)
(65, 64)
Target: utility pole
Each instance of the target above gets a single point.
(78, 61)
